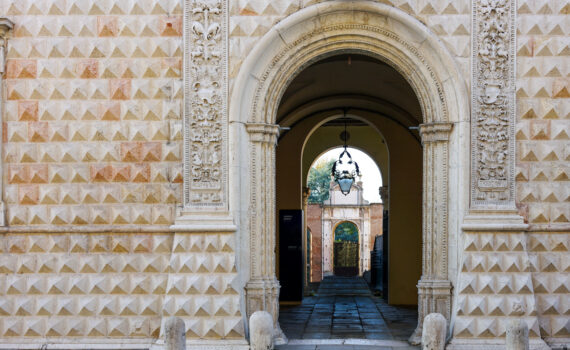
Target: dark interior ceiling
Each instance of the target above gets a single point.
(352, 78)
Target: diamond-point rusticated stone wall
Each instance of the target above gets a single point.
(92, 163)
(92, 122)
(92, 138)
(116, 286)
(543, 109)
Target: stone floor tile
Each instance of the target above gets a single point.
(345, 308)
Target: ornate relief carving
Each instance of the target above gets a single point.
(205, 103)
(493, 103)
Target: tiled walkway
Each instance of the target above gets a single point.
(344, 308)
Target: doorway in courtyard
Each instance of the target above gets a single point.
(328, 286)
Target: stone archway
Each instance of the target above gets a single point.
(347, 264)
(309, 35)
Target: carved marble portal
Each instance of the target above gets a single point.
(366, 28)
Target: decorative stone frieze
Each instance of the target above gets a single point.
(205, 79)
(205, 203)
(493, 104)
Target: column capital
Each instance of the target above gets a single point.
(262, 132)
(435, 132)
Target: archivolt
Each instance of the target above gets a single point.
(338, 27)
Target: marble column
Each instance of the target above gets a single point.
(262, 289)
(434, 287)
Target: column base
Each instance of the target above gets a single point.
(433, 296)
(262, 294)
(279, 336)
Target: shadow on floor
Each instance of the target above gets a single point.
(345, 308)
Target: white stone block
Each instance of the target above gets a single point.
(175, 334)
(261, 331)
(434, 332)
(517, 335)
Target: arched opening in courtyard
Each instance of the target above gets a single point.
(257, 107)
(381, 113)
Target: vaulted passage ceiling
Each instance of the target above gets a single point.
(349, 81)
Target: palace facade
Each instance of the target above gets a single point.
(149, 147)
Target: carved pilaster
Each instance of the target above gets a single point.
(5, 27)
(262, 290)
(205, 204)
(493, 105)
(434, 288)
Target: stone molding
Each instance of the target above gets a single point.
(6, 26)
(435, 132)
(261, 132)
(493, 105)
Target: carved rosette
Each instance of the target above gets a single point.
(493, 101)
(205, 73)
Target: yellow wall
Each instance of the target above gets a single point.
(404, 176)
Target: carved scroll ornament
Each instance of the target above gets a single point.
(205, 103)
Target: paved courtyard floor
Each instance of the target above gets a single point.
(344, 314)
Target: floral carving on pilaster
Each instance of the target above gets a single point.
(205, 105)
(493, 100)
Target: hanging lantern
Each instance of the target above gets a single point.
(344, 170)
